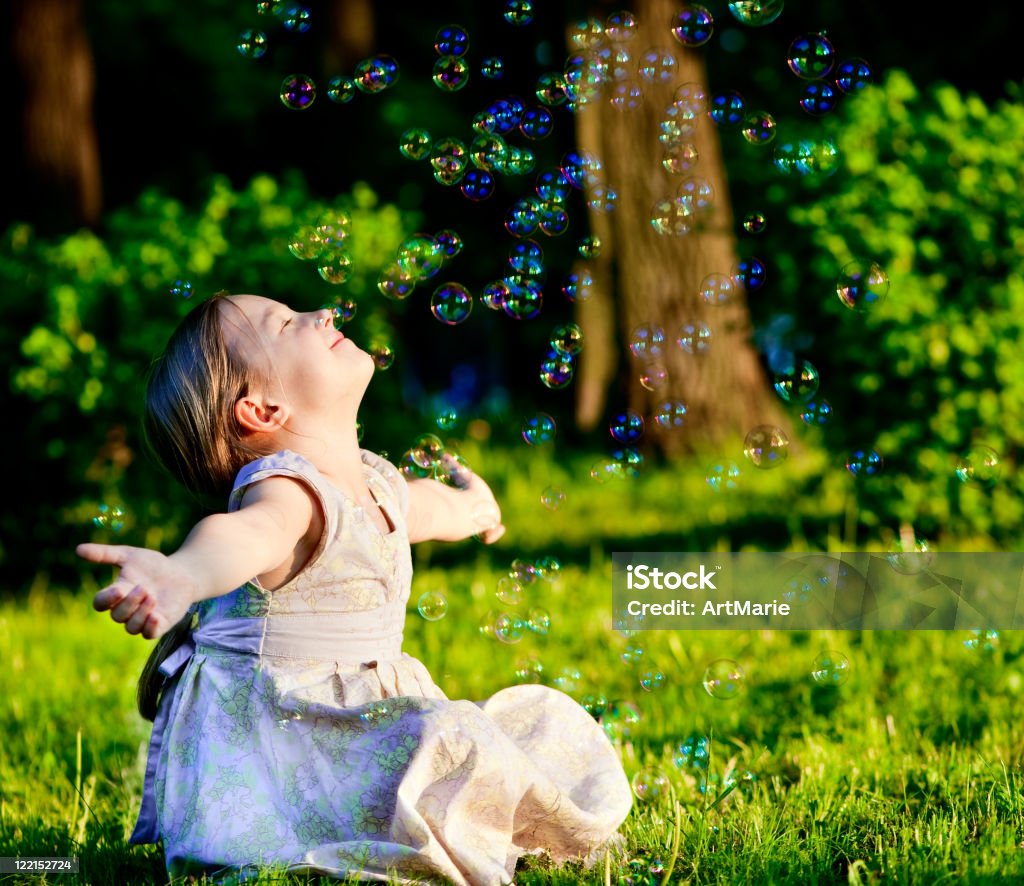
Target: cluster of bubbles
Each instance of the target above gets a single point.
(324, 243)
(522, 614)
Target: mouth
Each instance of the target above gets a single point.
(338, 341)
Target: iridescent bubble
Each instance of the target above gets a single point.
(727, 108)
(451, 40)
(447, 418)
(395, 283)
(518, 12)
(759, 128)
(182, 289)
(980, 465)
(754, 222)
(554, 220)
(798, 382)
(910, 556)
(633, 654)
(818, 99)
(489, 152)
(864, 463)
(524, 300)
(620, 26)
(477, 185)
(297, 19)
(601, 199)
(756, 13)
(816, 412)
(692, 96)
(427, 450)
(672, 217)
(626, 462)
(557, 374)
(620, 718)
(862, 284)
(590, 246)
(432, 605)
(509, 591)
(647, 341)
(577, 286)
(594, 704)
(567, 338)
(626, 96)
(677, 125)
(550, 90)
(652, 679)
(679, 157)
(415, 143)
(268, 7)
(340, 90)
(724, 679)
(657, 65)
(670, 415)
(627, 426)
(521, 161)
(811, 56)
(717, 289)
(449, 159)
(450, 243)
(831, 668)
(693, 753)
(696, 193)
(985, 640)
(420, 257)
(650, 784)
(375, 74)
(749, 274)
(383, 355)
(653, 376)
(492, 68)
(451, 303)
(529, 670)
(538, 620)
(693, 25)
(495, 294)
(451, 73)
(568, 679)
(523, 217)
(297, 92)
(723, 476)
(526, 257)
(108, 517)
(553, 497)
(694, 338)
(766, 446)
(586, 33)
(539, 429)
(537, 123)
(508, 628)
(580, 167)
(335, 268)
(306, 243)
(853, 75)
(252, 44)
(344, 310)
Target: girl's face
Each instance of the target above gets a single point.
(311, 363)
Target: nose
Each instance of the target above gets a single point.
(324, 316)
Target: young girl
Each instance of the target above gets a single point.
(290, 727)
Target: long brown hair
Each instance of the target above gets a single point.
(190, 428)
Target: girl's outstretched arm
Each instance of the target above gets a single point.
(438, 512)
(152, 592)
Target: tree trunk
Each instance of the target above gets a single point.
(642, 277)
(56, 72)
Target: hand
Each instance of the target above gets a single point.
(150, 594)
(484, 509)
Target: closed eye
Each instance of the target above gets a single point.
(286, 322)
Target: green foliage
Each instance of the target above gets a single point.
(930, 189)
(93, 310)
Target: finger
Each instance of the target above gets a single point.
(492, 535)
(98, 553)
(137, 622)
(110, 596)
(154, 628)
(124, 610)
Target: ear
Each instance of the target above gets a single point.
(258, 415)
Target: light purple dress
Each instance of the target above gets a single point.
(293, 730)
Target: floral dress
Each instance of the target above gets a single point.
(293, 730)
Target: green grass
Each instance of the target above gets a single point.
(912, 771)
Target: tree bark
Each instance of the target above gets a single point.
(642, 277)
(61, 152)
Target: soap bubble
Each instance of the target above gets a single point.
(340, 90)
(727, 108)
(252, 44)
(620, 26)
(451, 73)
(451, 303)
(297, 92)
(864, 463)
(539, 429)
(451, 40)
(657, 65)
(754, 222)
(717, 289)
(862, 284)
(724, 679)
(647, 341)
(693, 25)
(758, 128)
(182, 289)
(816, 412)
(766, 446)
(375, 74)
(296, 18)
(831, 668)
(979, 466)
(693, 752)
(650, 784)
(492, 67)
(985, 640)
(567, 338)
(723, 476)
(910, 557)
(694, 338)
(670, 415)
(383, 355)
(798, 382)
(819, 99)
(477, 185)
(627, 426)
(756, 13)
(108, 517)
(679, 157)
(553, 497)
(811, 56)
(518, 12)
(415, 143)
(432, 605)
(853, 75)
